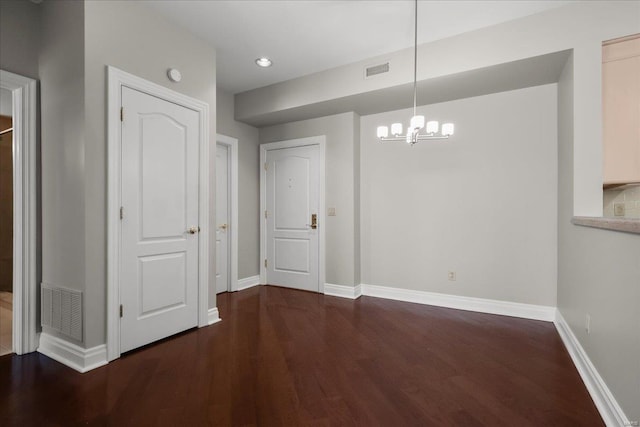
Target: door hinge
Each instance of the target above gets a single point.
(266, 213)
(121, 212)
(122, 114)
(265, 263)
(266, 166)
(121, 310)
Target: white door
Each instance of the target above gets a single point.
(222, 218)
(159, 267)
(292, 202)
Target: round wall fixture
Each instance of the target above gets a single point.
(174, 75)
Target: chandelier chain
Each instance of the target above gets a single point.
(415, 58)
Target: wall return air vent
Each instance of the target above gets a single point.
(374, 70)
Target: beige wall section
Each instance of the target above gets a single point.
(19, 37)
(248, 185)
(62, 118)
(482, 204)
(144, 44)
(340, 131)
(598, 275)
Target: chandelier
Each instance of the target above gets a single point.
(417, 123)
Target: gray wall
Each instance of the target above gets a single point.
(482, 204)
(137, 40)
(63, 169)
(248, 185)
(599, 275)
(341, 132)
(19, 37)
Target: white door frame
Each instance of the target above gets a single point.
(301, 142)
(25, 228)
(232, 144)
(116, 80)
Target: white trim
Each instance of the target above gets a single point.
(213, 316)
(78, 358)
(25, 283)
(609, 409)
(482, 305)
(248, 282)
(116, 80)
(232, 143)
(300, 142)
(343, 291)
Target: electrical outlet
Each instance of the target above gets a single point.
(331, 212)
(618, 209)
(587, 323)
(452, 276)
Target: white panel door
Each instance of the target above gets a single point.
(159, 267)
(222, 218)
(292, 196)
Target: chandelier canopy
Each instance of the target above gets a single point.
(417, 123)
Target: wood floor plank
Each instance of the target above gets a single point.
(282, 357)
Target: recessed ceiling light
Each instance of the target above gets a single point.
(263, 62)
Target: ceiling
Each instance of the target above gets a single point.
(307, 36)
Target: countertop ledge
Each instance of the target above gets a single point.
(615, 224)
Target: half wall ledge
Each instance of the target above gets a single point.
(615, 224)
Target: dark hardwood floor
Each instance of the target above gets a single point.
(284, 357)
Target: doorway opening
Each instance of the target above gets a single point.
(226, 214)
(6, 222)
(158, 213)
(18, 220)
(292, 230)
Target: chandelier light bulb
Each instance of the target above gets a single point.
(433, 130)
(396, 129)
(383, 131)
(417, 122)
(447, 129)
(432, 126)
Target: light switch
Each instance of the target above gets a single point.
(331, 212)
(618, 209)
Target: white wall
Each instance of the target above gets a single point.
(598, 275)
(62, 115)
(482, 204)
(248, 185)
(341, 131)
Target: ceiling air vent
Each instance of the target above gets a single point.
(375, 70)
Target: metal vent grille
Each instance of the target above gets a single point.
(376, 69)
(62, 311)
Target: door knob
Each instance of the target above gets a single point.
(193, 230)
(314, 221)
(223, 227)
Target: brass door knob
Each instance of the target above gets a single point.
(223, 227)
(193, 230)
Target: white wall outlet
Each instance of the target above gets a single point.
(331, 211)
(452, 276)
(587, 323)
(618, 209)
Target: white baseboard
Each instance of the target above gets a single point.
(248, 282)
(75, 357)
(607, 405)
(213, 316)
(482, 305)
(342, 291)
